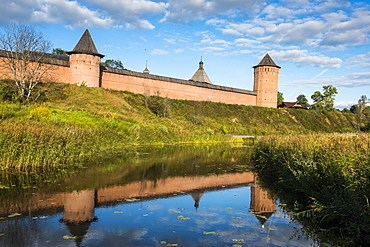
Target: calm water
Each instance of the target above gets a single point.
(169, 196)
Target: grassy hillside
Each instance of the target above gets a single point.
(71, 122)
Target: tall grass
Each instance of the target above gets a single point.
(70, 122)
(324, 179)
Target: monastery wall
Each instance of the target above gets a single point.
(82, 66)
(148, 84)
(56, 68)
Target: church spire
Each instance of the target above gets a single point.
(146, 70)
(201, 63)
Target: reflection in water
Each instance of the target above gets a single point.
(78, 213)
(262, 204)
(142, 200)
(79, 206)
(196, 196)
(78, 210)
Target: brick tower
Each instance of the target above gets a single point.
(266, 77)
(261, 204)
(84, 62)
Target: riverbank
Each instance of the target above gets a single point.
(324, 179)
(70, 123)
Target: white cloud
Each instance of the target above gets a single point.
(296, 33)
(159, 52)
(241, 52)
(75, 14)
(302, 57)
(246, 42)
(322, 24)
(136, 24)
(242, 29)
(344, 104)
(170, 41)
(216, 22)
(62, 11)
(209, 41)
(350, 80)
(362, 60)
(275, 11)
(184, 11)
(178, 51)
(352, 32)
(129, 13)
(317, 24)
(209, 49)
(16, 11)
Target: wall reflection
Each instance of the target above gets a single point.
(79, 205)
(144, 176)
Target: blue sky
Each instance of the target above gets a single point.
(316, 42)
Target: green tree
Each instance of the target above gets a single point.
(59, 51)
(359, 110)
(325, 100)
(25, 50)
(303, 101)
(280, 97)
(112, 63)
(318, 101)
(346, 110)
(353, 109)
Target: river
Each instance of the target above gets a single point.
(188, 195)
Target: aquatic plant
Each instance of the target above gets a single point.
(324, 179)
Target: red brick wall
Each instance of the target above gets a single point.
(173, 90)
(95, 75)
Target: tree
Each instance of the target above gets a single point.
(160, 106)
(112, 63)
(318, 101)
(280, 97)
(359, 110)
(325, 100)
(24, 52)
(346, 110)
(59, 51)
(303, 101)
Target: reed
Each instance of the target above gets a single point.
(324, 179)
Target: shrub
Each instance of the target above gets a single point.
(366, 128)
(224, 130)
(40, 113)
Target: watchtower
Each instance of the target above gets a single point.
(200, 75)
(266, 77)
(84, 62)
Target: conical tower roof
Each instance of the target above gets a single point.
(85, 46)
(267, 61)
(196, 196)
(263, 217)
(200, 75)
